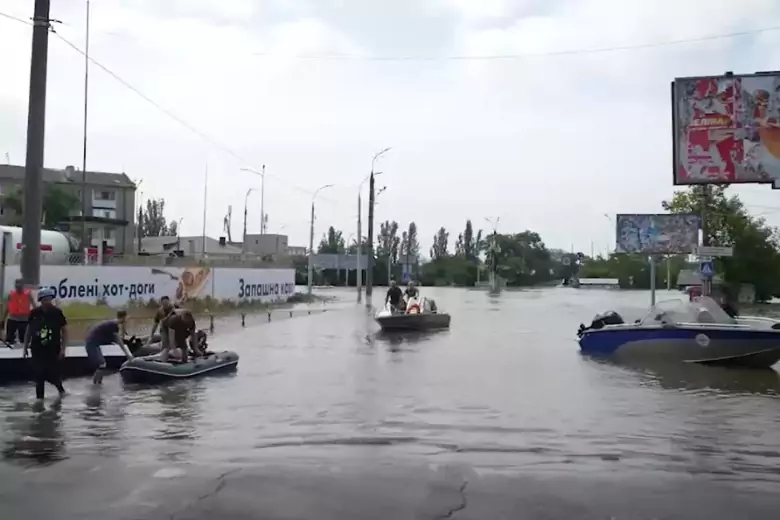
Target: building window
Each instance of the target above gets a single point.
(104, 213)
(104, 195)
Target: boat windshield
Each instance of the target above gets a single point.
(701, 310)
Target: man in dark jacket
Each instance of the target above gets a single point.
(47, 338)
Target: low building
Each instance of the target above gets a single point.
(110, 203)
(297, 250)
(194, 247)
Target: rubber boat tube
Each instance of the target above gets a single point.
(150, 369)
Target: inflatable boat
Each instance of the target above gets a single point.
(150, 369)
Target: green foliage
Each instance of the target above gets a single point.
(756, 258)
(440, 245)
(152, 220)
(58, 204)
(633, 271)
(332, 242)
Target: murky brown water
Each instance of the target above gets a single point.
(504, 389)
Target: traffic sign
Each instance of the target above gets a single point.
(706, 269)
(715, 251)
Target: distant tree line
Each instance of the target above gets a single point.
(521, 258)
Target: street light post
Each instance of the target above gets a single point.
(262, 197)
(246, 210)
(311, 237)
(370, 262)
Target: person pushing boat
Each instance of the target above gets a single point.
(105, 333)
(394, 296)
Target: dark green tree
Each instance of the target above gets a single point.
(58, 204)
(440, 244)
(153, 222)
(332, 242)
(756, 260)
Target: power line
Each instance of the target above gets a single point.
(503, 57)
(164, 110)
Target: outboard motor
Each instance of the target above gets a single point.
(600, 321)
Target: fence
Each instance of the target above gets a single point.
(142, 325)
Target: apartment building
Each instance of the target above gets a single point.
(110, 203)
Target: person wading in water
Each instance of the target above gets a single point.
(17, 311)
(47, 338)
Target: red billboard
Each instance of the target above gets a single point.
(727, 129)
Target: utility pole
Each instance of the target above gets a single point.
(311, 251)
(706, 283)
(359, 281)
(84, 143)
(370, 261)
(262, 202)
(311, 238)
(246, 211)
(36, 130)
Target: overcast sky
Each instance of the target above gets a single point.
(548, 141)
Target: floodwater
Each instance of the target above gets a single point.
(504, 392)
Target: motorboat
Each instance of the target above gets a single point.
(151, 369)
(697, 331)
(420, 314)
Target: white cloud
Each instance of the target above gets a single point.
(547, 142)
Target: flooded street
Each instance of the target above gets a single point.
(502, 398)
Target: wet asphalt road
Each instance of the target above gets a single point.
(500, 417)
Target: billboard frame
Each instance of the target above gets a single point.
(655, 253)
(675, 145)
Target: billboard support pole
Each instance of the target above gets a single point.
(652, 280)
(706, 284)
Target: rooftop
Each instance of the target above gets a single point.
(69, 175)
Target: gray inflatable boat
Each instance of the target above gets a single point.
(150, 369)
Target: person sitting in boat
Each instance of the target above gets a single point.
(728, 303)
(411, 291)
(166, 307)
(105, 333)
(180, 325)
(394, 296)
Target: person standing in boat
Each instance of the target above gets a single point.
(47, 337)
(20, 302)
(181, 329)
(394, 295)
(105, 333)
(166, 307)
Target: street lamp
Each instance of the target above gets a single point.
(262, 196)
(246, 209)
(370, 266)
(311, 235)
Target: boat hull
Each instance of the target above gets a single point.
(151, 370)
(712, 345)
(409, 322)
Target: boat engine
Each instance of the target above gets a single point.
(600, 321)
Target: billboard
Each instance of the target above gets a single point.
(663, 234)
(726, 129)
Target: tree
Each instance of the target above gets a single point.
(468, 241)
(58, 205)
(412, 253)
(353, 247)
(440, 243)
(332, 242)
(387, 241)
(152, 220)
(173, 229)
(756, 259)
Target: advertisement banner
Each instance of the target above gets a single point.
(662, 234)
(726, 129)
(119, 284)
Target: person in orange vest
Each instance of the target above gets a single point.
(20, 302)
